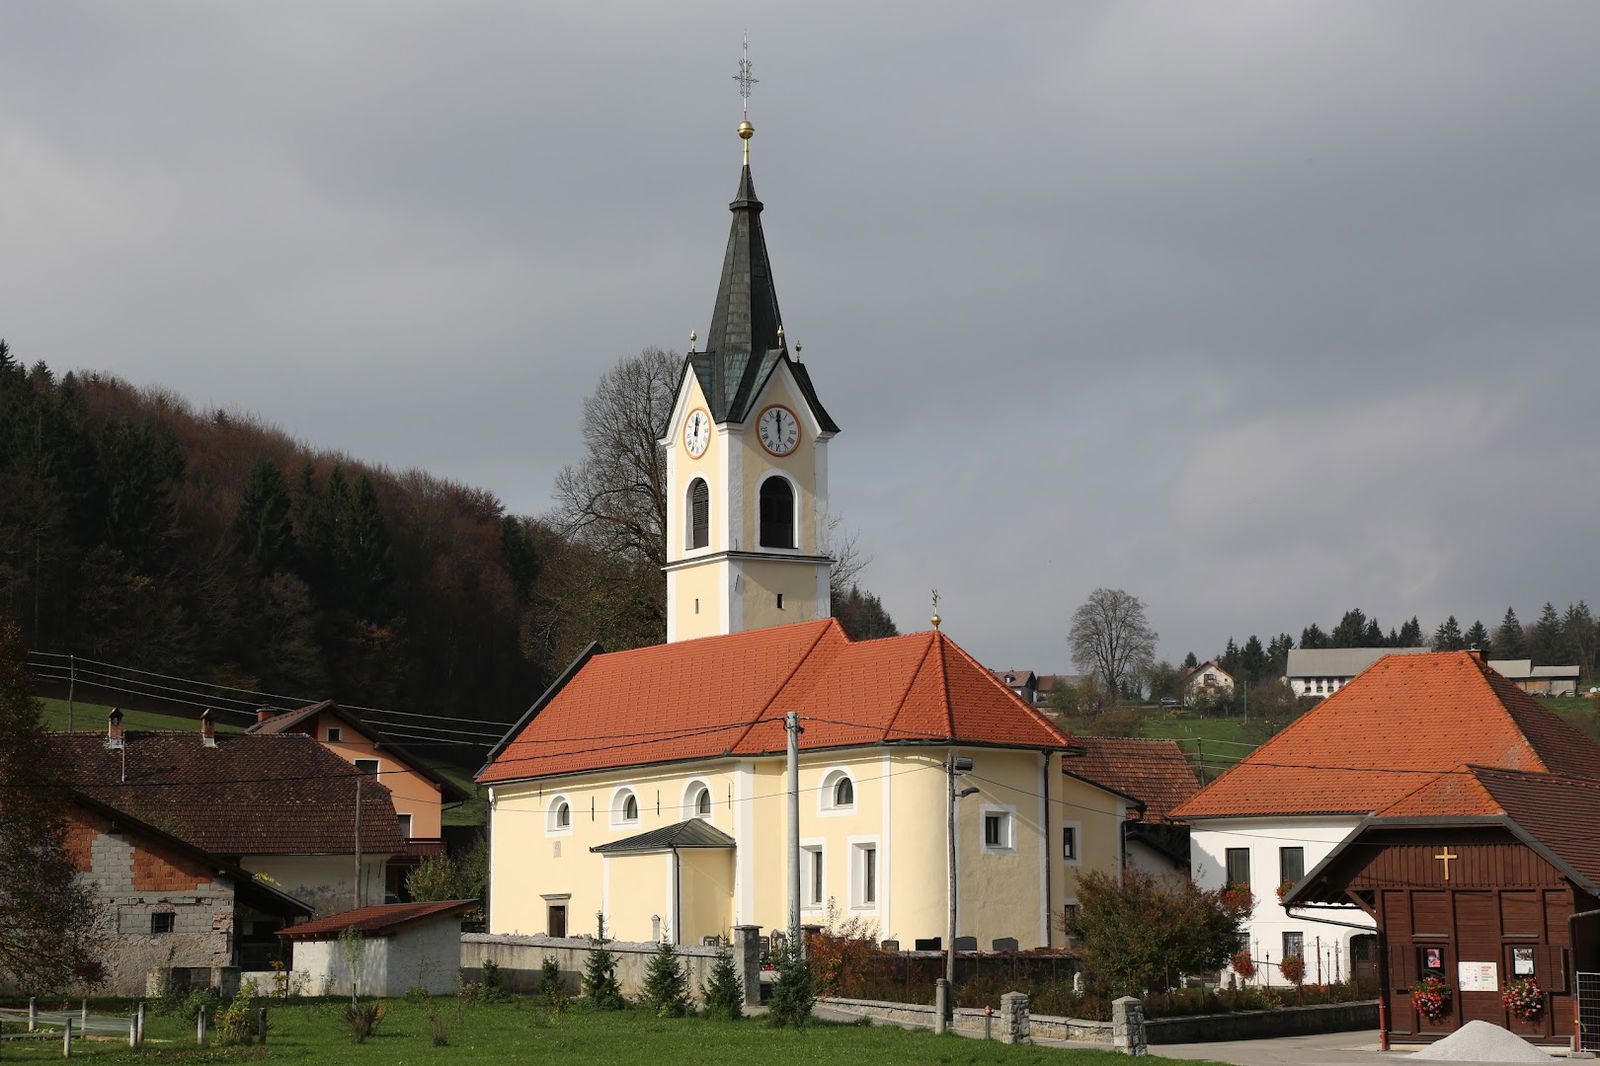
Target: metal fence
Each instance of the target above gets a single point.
(1588, 1031)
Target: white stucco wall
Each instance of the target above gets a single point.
(426, 956)
(1209, 841)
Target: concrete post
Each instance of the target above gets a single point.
(200, 1027)
(66, 1039)
(133, 1032)
(261, 1025)
(138, 1017)
(33, 1015)
(941, 1005)
(83, 1014)
(747, 957)
(1014, 1025)
(1127, 1025)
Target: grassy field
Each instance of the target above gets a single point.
(92, 716)
(518, 1031)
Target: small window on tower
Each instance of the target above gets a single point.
(780, 601)
(699, 514)
(777, 513)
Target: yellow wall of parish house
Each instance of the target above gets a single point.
(413, 794)
(899, 808)
(637, 893)
(706, 893)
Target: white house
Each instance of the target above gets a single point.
(1287, 806)
(1324, 671)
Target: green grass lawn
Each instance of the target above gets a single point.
(92, 716)
(519, 1031)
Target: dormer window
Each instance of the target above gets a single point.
(777, 513)
(699, 531)
(335, 734)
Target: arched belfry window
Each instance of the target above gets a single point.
(699, 513)
(777, 513)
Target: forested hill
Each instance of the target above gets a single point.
(138, 531)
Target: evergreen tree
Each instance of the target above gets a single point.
(1509, 642)
(1578, 626)
(1350, 630)
(600, 972)
(1448, 636)
(362, 550)
(1410, 634)
(49, 934)
(666, 985)
(863, 616)
(521, 555)
(1477, 636)
(1372, 635)
(792, 993)
(263, 527)
(1312, 636)
(723, 992)
(1190, 662)
(1229, 659)
(1253, 661)
(1548, 648)
(1278, 654)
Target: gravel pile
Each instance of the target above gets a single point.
(1480, 1041)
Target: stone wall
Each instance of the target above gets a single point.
(520, 958)
(1254, 1024)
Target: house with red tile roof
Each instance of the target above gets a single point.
(650, 785)
(1156, 777)
(1482, 878)
(283, 807)
(1390, 730)
(420, 792)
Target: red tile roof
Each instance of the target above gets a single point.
(304, 720)
(1153, 772)
(1389, 731)
(382, 920)
(727, 695)
(249, 795)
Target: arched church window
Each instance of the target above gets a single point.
(777, 513)
(699, 513)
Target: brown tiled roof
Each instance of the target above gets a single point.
(1388, 731)
(381, 920)
(249, 795)
(303, 720)
(727, 695)
(1154, 772)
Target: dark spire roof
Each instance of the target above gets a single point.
(742, 346)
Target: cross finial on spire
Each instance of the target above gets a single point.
(936, 619)
(743, 77)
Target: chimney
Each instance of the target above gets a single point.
(208, 731)
(114, 728)
(263, 713)
(1477, 653)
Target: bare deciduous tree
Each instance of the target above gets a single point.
(616, 498)
(1111, 639)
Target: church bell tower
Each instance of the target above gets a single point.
(746, 449)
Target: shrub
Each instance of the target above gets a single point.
(550, 986)
(723, 991)
(491, 987)
(417, 994)
(666, 986)
(600, 973)
(842, 954)
(362, 1020)
(792, 994)
(236, 1023)
(441, 1035)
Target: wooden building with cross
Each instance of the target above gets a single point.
(1486, 879)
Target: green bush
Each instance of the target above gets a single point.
(600, 973)
(666, 986)
(362, 1019)
(491, 988)
(723, 991)
(236, 1022)
(792, 993)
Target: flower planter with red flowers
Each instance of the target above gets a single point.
(1431, 997)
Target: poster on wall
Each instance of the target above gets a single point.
(1522, 962)
(1433, 958)
(1478, 976)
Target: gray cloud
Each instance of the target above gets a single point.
(1261, 311)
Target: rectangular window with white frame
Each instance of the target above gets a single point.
(864, 874)
(813, 875)
(1071, 841)
(999, 830)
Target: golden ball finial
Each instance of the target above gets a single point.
(746, 131)
(936, 620)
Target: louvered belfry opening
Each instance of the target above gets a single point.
(699, 514)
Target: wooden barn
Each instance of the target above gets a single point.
(1484, 879)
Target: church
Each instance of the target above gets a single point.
(649, 785)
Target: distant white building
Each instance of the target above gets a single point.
(1324, 671)
(1206, 679)
(1538, 680)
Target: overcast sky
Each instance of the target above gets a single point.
(1260, 311)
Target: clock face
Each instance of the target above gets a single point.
(778, 430)
(697, 433)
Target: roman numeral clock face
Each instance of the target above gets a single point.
(778, 430)
(697, 433)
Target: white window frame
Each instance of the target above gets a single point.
(691, 796)
(619, 800)
(335, 734)
(375, 764)
(407, 822)
(551, 812)
(1077, 844)
(1008, 829)
(859, 846)
(830, 782)
(813, 853)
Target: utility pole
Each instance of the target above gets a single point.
(72, 684)
(791, 725)
(359, 775)
(954, 766)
